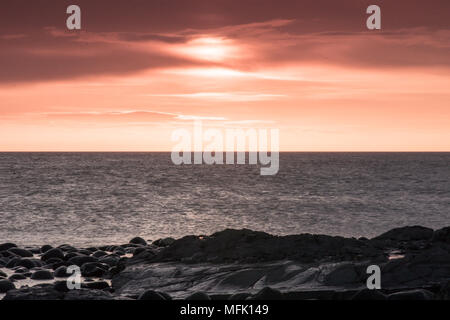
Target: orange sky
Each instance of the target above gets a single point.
(320, 77)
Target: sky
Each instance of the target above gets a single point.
(138, 70)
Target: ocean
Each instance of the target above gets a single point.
(89, 199)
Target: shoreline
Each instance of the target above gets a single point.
(235, 264)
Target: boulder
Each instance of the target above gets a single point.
(268, 293)
(52, 253)
(7, 246)
(6, 285)
(417, 294)
(138, 240)
(21, 252)
(198, 296)
(42, 275)
(410, 233)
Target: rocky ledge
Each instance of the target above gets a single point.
(236, 264)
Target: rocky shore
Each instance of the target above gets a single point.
(235, 265)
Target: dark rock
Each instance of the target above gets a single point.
(442, 235)
(42, 275)
(110, 260)
(52, 253)
(367, 294)
(12, 263)
(7, 246)
(138, 240)
(407, 234)
(343, 274)
(45, 248)
(27, 263)
(151, 295)
(93, 269)
(239, 296)
(70, 255)
(88, 294)
(21, 252)
(417, 294)
(99, 254)
(34, 293)
(268, 294)
(61, 272)
(2, 274)
(163, 242)
(98, 285)
(80, 260)
(17, 276)
(198, 296)
(67, 248)
(6, 285)
(61, 286)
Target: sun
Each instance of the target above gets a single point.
(208, 48)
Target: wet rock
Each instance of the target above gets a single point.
(80, 260)
(46, 292)
(138, 240)
(367, 294)
(239, 296)
(442, 235)
(110, 260)
(6, 285)
(46, 248)
(17, 276)
(417, 294)
(61, 272)
(52, 253)
(21, 252)
(88, 294)
(2, 274)
(42, 275)
(98, 285)
(28, 263)
(151, 295)
(342, 275)
(99, 254)
(61, 286)
(67, 248)
(407, 234)
(198, 296)
(7, 246)
(268, 294)
(93, 269)
(163, 242)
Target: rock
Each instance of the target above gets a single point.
(67, 248)
(343, 274)
(239, 296)
(151, 295)
(21, 252)
(2, 274)
(17, 276)
(138, 240)
(407, 234)
(52, 253)
(417, 294)
(61, 286)
(98, 285)
(27, 263)
(61, 272)
(268, 294)
(99, 254)
(88, 294)
(12, 263)
(46, 248)
(7, 246)
(93, 269)
(46, 292)
(80, 260)
(163, 242)
(367, 294)
(42, 275)
(442, 235)
(6, 285)
(198, 296)
(110, 260)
